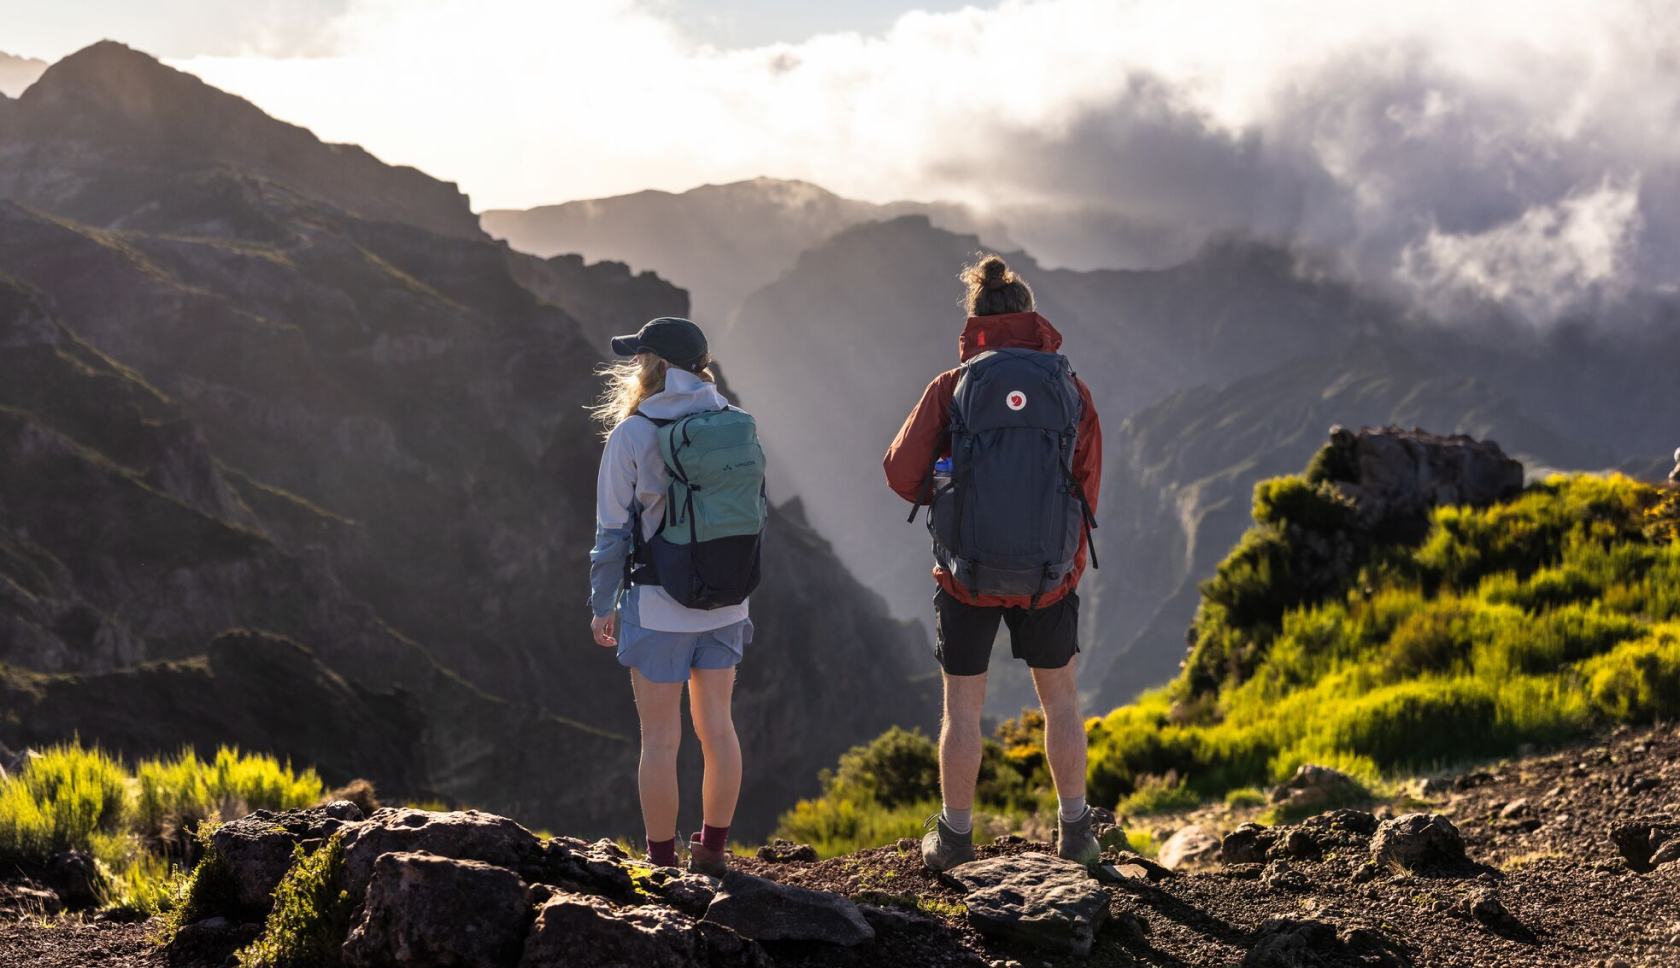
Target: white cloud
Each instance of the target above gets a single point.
(1455, 144)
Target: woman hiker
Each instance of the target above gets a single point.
(669, 625)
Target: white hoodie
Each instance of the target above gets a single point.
(633, 477)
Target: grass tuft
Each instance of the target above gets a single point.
(311, 915)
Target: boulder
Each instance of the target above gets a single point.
(462, 834)
(689, 893)
(1415, 840)
(1247, 844)
(1190, 848)
(1359, 822)
(1299, 844)
(257, 849)
(1314, 788)
(583, 869)
(578, 931)
(765, 910)
(1647, 842)
(1394, 477)
(1033, 899)
(1301, 943)
(423, 910)
(786, 851)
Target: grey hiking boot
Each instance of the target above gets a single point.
(704, 860)
(944, 848)
(1075, 842)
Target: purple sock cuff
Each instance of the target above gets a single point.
(662, 852)
(714, 838)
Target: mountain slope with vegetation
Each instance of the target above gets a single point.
(1361, 626)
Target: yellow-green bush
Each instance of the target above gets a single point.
(65, 798)
(311, 916)
(1531, 621)
(184, 789)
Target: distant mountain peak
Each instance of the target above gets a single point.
(109, 98)
(17, 73)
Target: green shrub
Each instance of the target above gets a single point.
(837, 825)
(1157, 794)
(177, 792)
(66, 798)
(311, 916)
(1638, 680)
(897, 767)
(208, 891)
(1245, 797)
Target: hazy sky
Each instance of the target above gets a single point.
(1524, 152)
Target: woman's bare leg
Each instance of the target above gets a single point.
(659, 705)
(709, 694)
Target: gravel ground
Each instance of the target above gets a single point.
(1536, 832)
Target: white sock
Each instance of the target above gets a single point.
(1072, 808)
(960, 821)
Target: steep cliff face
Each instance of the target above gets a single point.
(342, 422)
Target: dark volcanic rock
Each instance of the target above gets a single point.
(1247, 844)
(1415, 840)
(257, 849)
(423, 911)
(1033, 899)
(781, 851)
(463, 835)
(689, 893)
(1646, 842)
(1394, 477)
(575, 931)
(1294, 943)
(1315, 788)
(765, 910)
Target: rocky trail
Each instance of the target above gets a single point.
(1561, 858)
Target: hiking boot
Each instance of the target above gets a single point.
(704, 860)
(1075, 842)
(944, 848)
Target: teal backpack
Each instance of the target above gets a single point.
(706, 552)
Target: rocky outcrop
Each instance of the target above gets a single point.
(1034, 899)
(462, 835)
(437, 912)
(258, 849)
(1395, 477)
(765, 910)
(575, 931)
(1417, 840)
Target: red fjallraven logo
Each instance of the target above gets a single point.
(1016, 400)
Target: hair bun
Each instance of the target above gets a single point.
(994, 273)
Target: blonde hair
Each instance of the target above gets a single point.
(629, 382)
(994, 289)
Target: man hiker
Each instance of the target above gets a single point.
(1005, 452)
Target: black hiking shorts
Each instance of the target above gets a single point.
(1045, 638)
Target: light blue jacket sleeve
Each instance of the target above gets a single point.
(616, 512)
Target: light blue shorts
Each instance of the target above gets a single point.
(667, 656)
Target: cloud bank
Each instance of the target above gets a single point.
(1517, 154)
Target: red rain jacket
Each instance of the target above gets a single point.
(925, 437)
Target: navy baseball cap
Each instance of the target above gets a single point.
(677, 341)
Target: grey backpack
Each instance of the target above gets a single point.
(1008, 517)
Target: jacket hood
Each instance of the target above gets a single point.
(1021, 331)
(684, 394)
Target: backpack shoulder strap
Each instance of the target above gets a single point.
(656, 421)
